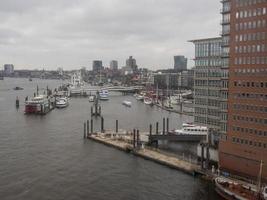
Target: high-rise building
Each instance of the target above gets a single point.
(131, 62)
(244, 34)
(97, 65)
(207, 87)
(180, 63)
(114, 65)
(8, 69)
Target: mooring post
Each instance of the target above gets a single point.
(163, 125)
(150, 129)
(207, 156)
(99, 110)
(84, 130)
(117, 126)
(157, 128)
(87, 128)
(134, 138)
(202, 156)
(138, 138)
(17, 102)
(102, 125)
(92, 112)
(92, 127)
(167, 125)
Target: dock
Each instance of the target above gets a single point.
(122, 141)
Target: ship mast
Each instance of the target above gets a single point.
(259, 179)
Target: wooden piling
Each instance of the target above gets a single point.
(163, 125)
(202, 156)
(91, 110)
(117, 126)
(87, 128)
(167, 125)
(138, 139)
(157, 128)
(102, 124)
(134, 138)
(150, 129)
(84, 130)
(92, 126)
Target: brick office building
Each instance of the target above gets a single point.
(244, 35)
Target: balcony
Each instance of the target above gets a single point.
(225, 32)
(225, 10)
(225, 21)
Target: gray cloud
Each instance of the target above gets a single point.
(48, 33)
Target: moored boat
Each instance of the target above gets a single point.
(62, 102)
(233, 190)
(103, 95)
(37, 105)
(91, 98)
(191, 129)
(148, 101)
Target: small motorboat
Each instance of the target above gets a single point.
(139, 97)
(127, 103)
(17, 88)
(103, 95)
(148, 101)
(91, 98)
(62, 102)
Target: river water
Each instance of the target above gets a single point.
(46, 157)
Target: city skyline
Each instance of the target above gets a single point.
(71, 34)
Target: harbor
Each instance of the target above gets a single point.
(61, 156)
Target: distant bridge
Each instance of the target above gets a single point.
(131, 89)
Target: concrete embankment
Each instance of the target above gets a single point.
(149, 154)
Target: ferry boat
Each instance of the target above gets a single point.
(103, 95)
(191, 129)
(62, 102)
(127, 103)
(37, 105)
(148, 101)
(233, 190)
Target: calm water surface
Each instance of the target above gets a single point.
(45, 157)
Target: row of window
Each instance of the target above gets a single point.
(259, 97)
(255, 48)
(249, 142)
(209, 102)
(249, 71)
(250, 13)
(210, 83)
(250, 119)
(208, 62)
(250, 37)
(250, 25)
(260, 60)
(253, 108)
(250, 84)
(241, 3)
(250, 131)
(205, 92)
(210, 112)
(207, 121)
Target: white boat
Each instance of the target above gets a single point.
(148, 101)
(103, 95)
(139, 97)
(62, 102)
(192, 129)
(127, 103)
(91, 98)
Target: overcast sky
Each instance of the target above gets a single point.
(72, 33)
